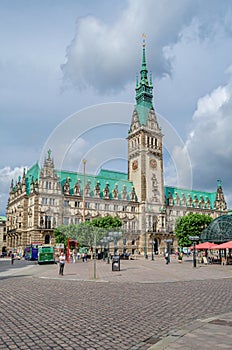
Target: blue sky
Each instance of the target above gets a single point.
(60, 57)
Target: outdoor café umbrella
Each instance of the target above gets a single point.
(205, 245)
(226, 245)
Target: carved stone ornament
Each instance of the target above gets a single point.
(153, 163)
(115, 192)
(135, 165)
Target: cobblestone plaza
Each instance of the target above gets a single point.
(135, 308)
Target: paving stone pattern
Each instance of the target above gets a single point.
(45, 311)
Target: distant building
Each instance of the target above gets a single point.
(3, 248)
(45, 198)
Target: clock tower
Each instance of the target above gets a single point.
(145, 157)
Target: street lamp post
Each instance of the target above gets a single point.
(194, 239)
(115, 236)
(153, 231)
(95, 261)
(152, 253)
(108, 255)
(124, 246)
(105, 241)
(145, 245)
(83, 212)
(107, 244)
(102, 244)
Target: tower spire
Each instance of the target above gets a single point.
(144, 71)
(144, 89)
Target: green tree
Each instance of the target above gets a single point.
(60, 236)
(108, 222)
(190, 225)
(85, 232)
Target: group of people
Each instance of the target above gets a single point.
(79, 256)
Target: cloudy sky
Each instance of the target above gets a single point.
(59, 58)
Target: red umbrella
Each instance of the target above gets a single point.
(205, 245)
(226, 245)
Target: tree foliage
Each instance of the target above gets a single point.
(107, 222)
(60, 237)
(86, 232)
(190, 225)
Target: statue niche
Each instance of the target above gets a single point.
(133, 194)
(124, 193)
(87, 188)
(77, 188)
(66, 187)
(97, 189)
(107, 191)
(115, 192)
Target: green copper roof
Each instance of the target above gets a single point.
(119, 179)
(143, 113)
(32, 174)
(144, 91)
(115, 175)
(199, 195)
(103, 178)
(2, 218)
(112, 178)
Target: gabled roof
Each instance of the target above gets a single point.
(34, 172)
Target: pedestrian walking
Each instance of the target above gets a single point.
(74, 256)
(167, 258)
(12, 258)
(61, 262)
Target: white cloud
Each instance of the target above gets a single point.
(209, 141)
(6, 175)
(211, 104)
(106, 56)
(187, 44)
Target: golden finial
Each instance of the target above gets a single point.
(144, 37)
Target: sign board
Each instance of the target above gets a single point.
(186, 250)
(60, 246)
(194, 238)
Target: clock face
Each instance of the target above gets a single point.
(135, 165)
(153, 163)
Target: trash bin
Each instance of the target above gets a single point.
(116, 263)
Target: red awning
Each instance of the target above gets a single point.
(205, 245)
(226, 245)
